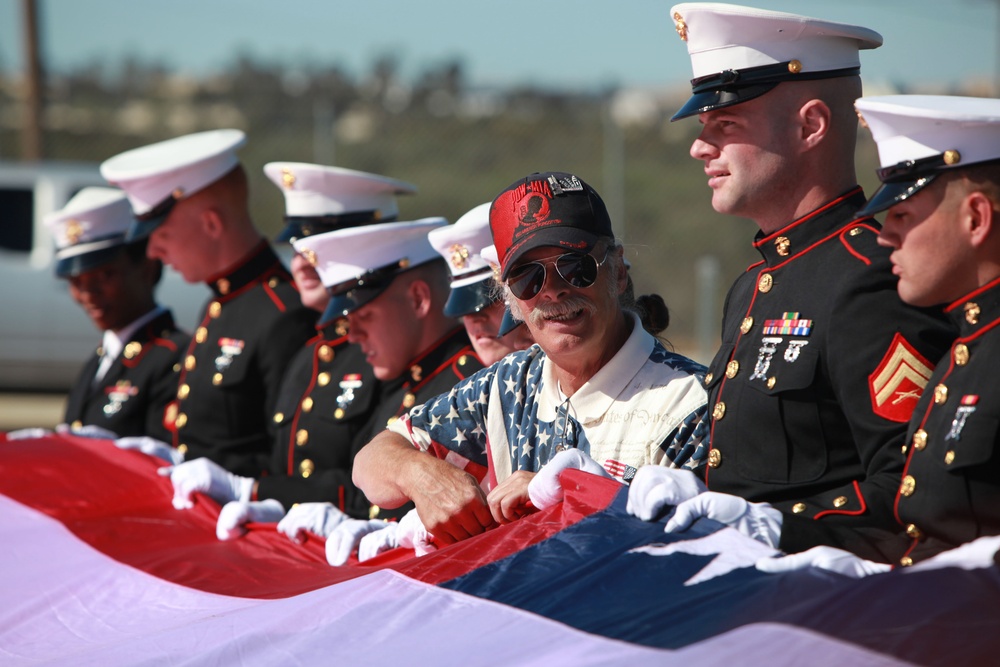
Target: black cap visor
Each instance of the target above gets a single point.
(890, 194)
(145, 224)
(731, 87)
(508, 323)
(469, 299)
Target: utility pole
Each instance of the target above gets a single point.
(31, 132)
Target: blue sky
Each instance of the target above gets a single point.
(570, 44)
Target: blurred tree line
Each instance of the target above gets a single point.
(460, 144)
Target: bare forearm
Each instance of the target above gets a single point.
(383, 467)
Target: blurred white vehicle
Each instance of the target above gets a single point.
(44, 336)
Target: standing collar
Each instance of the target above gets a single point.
(248, 270)
(977, 309)
(801, 235)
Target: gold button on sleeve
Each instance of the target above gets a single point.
(302, 437)
(798, 508)
(840, 501)
(714, 458)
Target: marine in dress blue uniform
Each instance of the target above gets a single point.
(360, 265)
(253, 324)
(949, 492)
(124, 390)
(328, 393)
(821, 364)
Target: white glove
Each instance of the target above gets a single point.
(544, 489)
(757, 520)
(344, 539)
(656, 487)
(235, 515)
(972, 555)
(823, 558)
(208, 477)
(375, 542)
(87, 431)
(152, 447)
(413, 535)
(28, 433)
(317, 518)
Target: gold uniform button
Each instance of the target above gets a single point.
(771, 381)
(798, 508)
(949, 457)
(325, 353)
(961, 354)
(391, 420)
(906, 561)
(306, 468)
(77, 425)
(183, 391)
(214, 309)
(183, 449)
(409, 400)
(177, 368)
(217, 379)
(714, 458)
(323, 379)
(855, 231)
(190, 363)
(908, 486)
(223, 285)
(462, 360)
(719, 411)
(272, 283)
(307, 404)
(765, 283)
(170, 416)
(181, 420)
(302, 437)
(708, 379)
(201, 335)
(339, 413)
(373, 512)
(746, 325)
(914, 532)
(132, 350)
(840, 501)
(732, 368)
(972, 312)
(904, 448)
(794, 66)
(278, 417)
(919, 439)
(940, 394)
(783, 245)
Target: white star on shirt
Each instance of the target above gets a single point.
(478, 431)
(435, 421)
(543, 438)
(459, 438)
(511, 385)
(452, 414)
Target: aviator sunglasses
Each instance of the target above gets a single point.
(578, 270)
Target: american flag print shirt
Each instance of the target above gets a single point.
(647, 405)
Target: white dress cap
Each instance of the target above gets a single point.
(921, 136)
(356, 264)
(722, 37)
(347, 254)
(175, 168)
(739, 53)
(461, 243)
(911, 127)
(94, 218)
(313, 190)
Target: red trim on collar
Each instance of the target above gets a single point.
(807, 216)
(974, 293)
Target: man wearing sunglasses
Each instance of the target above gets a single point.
(821, 364)
(596, 388)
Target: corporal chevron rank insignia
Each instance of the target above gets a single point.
(899, 380)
